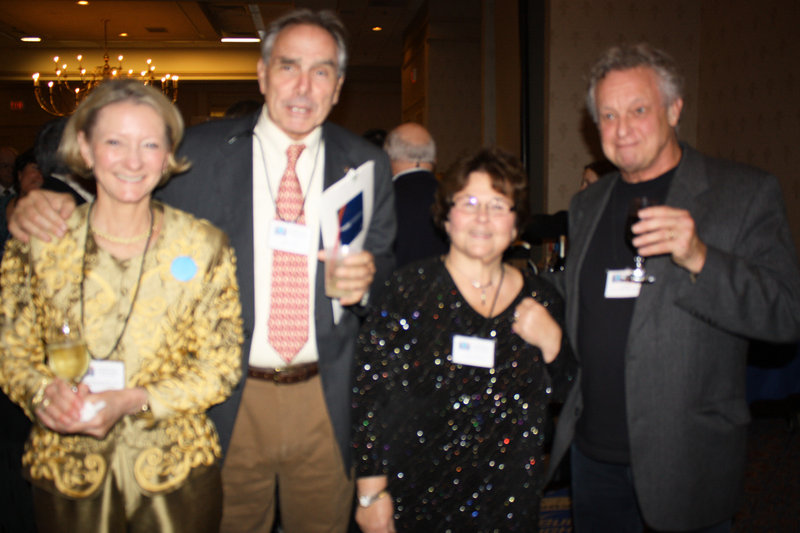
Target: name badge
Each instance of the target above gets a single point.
(289, 237)
(618, 287)
(105, 375)
(473, 351)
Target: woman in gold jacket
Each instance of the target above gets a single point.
(152, 289)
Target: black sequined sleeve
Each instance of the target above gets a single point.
(563, 369)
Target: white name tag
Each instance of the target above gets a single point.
(289, 237)
(105, 375)
(617, 287)
(473, 351)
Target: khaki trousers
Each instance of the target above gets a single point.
(283, 440)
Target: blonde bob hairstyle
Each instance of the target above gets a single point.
(113, 92)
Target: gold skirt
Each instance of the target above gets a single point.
(194, 507)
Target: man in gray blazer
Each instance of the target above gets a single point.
(656, 423)
(286, 427)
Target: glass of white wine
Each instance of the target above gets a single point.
(67, 355)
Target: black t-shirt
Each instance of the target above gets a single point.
(602, 430)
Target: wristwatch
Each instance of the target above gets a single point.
(366, 501)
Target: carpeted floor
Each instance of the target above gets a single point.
(771, 502)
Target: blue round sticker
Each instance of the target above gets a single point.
(183, 268)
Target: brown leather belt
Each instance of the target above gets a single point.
(285, 375)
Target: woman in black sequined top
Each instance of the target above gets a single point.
(455, 369)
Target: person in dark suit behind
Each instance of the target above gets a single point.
(412, 152)
(657, 421)
(57, 175)
(292, 430)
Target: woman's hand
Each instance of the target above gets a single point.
(536, 326)
(60, 408)
(118, 403)
(378, 517)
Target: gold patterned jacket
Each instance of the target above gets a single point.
(181, 343)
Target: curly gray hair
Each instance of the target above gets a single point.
(625, 57)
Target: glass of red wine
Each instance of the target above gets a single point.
(638, 274)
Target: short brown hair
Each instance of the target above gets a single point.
(506, 172)
(112, 92)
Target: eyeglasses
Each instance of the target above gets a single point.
(495, 207)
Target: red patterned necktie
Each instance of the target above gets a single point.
(288, 310)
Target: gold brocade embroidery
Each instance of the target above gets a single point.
(182, 344)
(80, 476)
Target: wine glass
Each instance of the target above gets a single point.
(67, 355)
(638, 275)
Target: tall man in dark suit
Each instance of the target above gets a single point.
(292, 414)
(412, 152)
(657, 421)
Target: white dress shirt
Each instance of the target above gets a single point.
(269, 163)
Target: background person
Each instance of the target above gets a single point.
(657, 421)
(445, 442)
(594, 171)
(27, 177)
(412, 152)
(151, 288)
(7, 157)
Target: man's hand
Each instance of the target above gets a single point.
(668, 230)
(354, 275)
(41, 214)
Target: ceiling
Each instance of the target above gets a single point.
(164, 25)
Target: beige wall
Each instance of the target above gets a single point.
(750, 89)
(739, 59)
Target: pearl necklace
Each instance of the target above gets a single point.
(124, 240)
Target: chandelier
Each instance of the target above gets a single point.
(63, 93)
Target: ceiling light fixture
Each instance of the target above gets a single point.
(64, 94)
(240, 40)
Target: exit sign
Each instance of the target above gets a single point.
(16, 105)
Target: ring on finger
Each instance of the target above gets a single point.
(45, 402)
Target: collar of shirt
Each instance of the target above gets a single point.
(273, 143)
